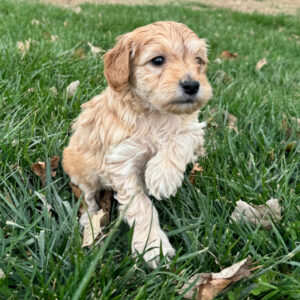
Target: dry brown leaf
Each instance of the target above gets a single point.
(222, 76)
(39, 168)
(53, 90)
(231, 119)
(288, 129)
(231, 125)
(209, 285)
(93, 231)
(77, 10)
(79, 53)
(8, 199)
(290, 146)
(103, 199)
(218, 61)
(272, 155)
(196, 168)
(54, 37)
(77, 193)
(280, 29)
(35, 22)
(24, 48)
(76, 190)
(72, 88)
(44, 200)
(2, 274)
(228, 55)
(95, 50)
(258, 214)
(260, 64)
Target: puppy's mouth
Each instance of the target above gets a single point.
(184, 101)
(183, 105)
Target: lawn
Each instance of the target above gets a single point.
(40, 250)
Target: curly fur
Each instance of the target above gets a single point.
(137, 137)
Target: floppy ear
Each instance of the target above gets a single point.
(117, 64)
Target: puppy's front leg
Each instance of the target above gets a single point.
(164, 172)
(125, 164)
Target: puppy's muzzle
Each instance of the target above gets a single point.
(190, 87)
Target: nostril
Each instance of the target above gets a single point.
(190, 87)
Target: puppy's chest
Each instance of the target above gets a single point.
(161, 129)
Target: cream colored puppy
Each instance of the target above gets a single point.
(138, 135)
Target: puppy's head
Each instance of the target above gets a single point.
(164, 64)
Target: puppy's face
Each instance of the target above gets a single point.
(164, 64)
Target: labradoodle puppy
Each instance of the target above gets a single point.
(138, 135)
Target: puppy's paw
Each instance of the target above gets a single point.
(162, 178)
(151, 251)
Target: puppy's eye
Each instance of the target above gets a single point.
(200, 61)
(158, 60)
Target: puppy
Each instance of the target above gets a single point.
(138, 135)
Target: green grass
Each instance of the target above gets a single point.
(41, 254)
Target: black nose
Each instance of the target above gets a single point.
(190, 87)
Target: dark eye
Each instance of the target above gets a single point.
(158, 60)
(200, 61)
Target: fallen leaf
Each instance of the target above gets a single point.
(231, 125)
(222, 77)
(77, 193)
(290, 146)
(196, 168)
(103, 199)
(35, 22)
(8, 199)
(53, 38)
(23, 48)
(280, 29)
(231, 119)
(209, 285)
(260, 64)
(76, 190)
(30, 90)
(77, 9)
(72, 88)
(79, 53)
(2, 274)
(95, 50)
(53, 90)
(12, 223)
(65, 23)
(258, 214)
(272, 155)
(93, 230)
(228, 55)
(218, 61)
(39, 168)
(44, 200)
(288, 129)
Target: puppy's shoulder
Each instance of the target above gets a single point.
(93, 102)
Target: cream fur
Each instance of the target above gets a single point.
(134, 138)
